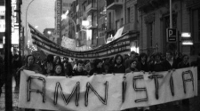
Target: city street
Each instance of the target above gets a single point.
(194, 103)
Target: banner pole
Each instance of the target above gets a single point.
(8, 57)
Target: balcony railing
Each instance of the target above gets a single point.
(114, 4)
(91, 8)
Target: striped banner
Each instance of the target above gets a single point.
(118, 46)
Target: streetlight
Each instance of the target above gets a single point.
(27, 17)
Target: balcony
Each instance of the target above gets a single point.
(91, 8)
(129, 27)
(114, 4)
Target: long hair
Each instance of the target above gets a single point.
(118, 55)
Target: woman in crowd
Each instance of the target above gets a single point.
(132, 67)
(185, 62)
(58, 70)
(31, 65)
(118, 64)
(57, 60)
(142, 63)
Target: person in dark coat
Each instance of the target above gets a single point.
(2, 74)
(67, 67)
(98, 66)
(170, 62)
(119, 66)
(185, 62)
(157, 65)
(142, 64)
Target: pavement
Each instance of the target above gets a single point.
(194, 103)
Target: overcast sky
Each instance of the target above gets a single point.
(40, 13)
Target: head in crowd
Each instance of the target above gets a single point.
(133, 55)
(57, 60)
(80, 65)
(49, 58)
(158, 57)
(30, 60)
(169, 55)
(106, 68)
(58, 70)
(143, 57)
(133, 65)
(125, 56)
(119, 59)
(185, 58)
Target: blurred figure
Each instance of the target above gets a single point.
(16, 64)
(142, 63)
(128, 60)
(98, 69)
(2, 74)
(67, 67)
(57, 60)
(185, 62)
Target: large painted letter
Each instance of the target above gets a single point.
(156, 77)
(76, 90)
(135, 78)
(189, 72)
(89, 86)
(124, 84)
(29, 90)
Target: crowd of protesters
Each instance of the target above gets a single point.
(57, 66)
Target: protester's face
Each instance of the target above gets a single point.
(186, 58)
(30, 60)
(80, 67)
(118, 60)
(168, 56)
(58, 69)
(133, 64)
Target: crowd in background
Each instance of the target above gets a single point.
(120, 64)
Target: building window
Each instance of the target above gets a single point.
(150, 34)
(129, 15)
(117, 24)
(122, 20)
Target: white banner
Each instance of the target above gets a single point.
(106, 92)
